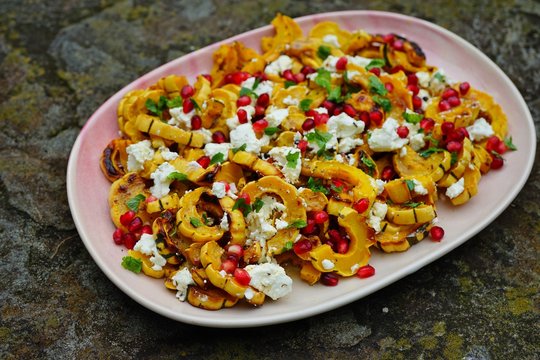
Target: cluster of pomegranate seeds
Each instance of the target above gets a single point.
(302, 145)
(376, 117)
(318, 118)
(295, 78)
(376, 71)
(453, 136)
(464, 88)
(243, 100)
(496, 147)
(187, 91)
(365, 272)
(311, 227)
(308, 124)
(246, 197)
(236, 77)
(135, 228)
(242, 276)
(329, 279)
(306, 70)
(436, 233)
(449, 99)
(320, 217)
(229, 265)
(204, 161)
(337, 242)
(389, 86)
(427, 124)
(187, 106)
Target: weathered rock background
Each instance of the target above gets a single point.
(59, 60)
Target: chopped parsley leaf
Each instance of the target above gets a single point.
(376, 86)
(316, 185)
(298, 224)
(319, 137)
(247, 91)
(288, 246)
(134, 202)
(257, 205)
(271, 130)
(175, 175)
(323, 52)
(195, 222)
(410, 184)
(241, 204)
(369, 163)
(453, 158)
(412, 118)
(289, 83)
(132, 264)
(375, 63)
(292, 159)
(195, 105)
(413, 204)
(509, 144)
(323, 78)
(426, 153)
(382, 102)
(218, 158)
(305, 104)
(240, 148)
(174, 103)
(440, 77)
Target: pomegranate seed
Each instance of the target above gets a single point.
(437, 233)
(414, 89)
(349, 110)
(388, 173)
(129, 240)
(218, 137)
(464, 132)
(204, 161)
(361, 205)
(454, 101)
(455, 135)
(417, 102)
(492, 143)
(117, 236)
(448, 93)
(300, 77)
(402, 131)
(376, 117)
(444, 105)
(187, 91)
(320, 217)
(365, 271)
(329, 279)
(334, 235)
(389, 87)
(263, 100)
(364, 116)
(229, 265)
(243, 101)
(329, 105)
(320, 119)
(308, 124)
(242, 116)
(237, 78)
(341, 64)
(246, 197)
(196, 122)
(207, 77)
(497, 162)
(427, 124)
(150, 199)
(228, 79)
(447, 127)
(412, 79)
(501, 148)
(339, 184)
(302, 247)
(388, 38)
(187, 106)
(306, 70)
(454, 146)
(398, 45)
(310, 228)
(311, 113)
(464, 88)
(242, 276)
(146, 229)
(337, 110)
(302, 145)
(288, 75)
(135, 224)
(260, 125)
(235, 250)
(259, 111)
(342, 246)
(376, 71)
(396, 69)
(126, 218)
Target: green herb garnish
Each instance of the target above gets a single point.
(509, 144)
(271, 130)
(412, 118)
(305, 104)
(240, 148)
(413, 204)
(218, 158)
(289, 83)
(241, 204)
(324, 51)
(426, 153)
(195, 105)
(316, 185)
(195, 222)
(298, 224)
(292, 159)
(174, 103)
(382, 102)
(410, 184)
(175, 175)
(257, 205)
(288, 246)
(319, 137)
(132, 264)
(247, 91)
(375, 63)
(376, 86)
(134, 202)
(453, 158)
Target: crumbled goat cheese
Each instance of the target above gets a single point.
(180, 118)
(167, 154)
(276, 116)
(211, 149)
(181, 280)
(327, 264)
(278, 66)
(480, 130)
(419, 188)
(224, 223)
(147, 246)
(424, 95)
(138, 153)
(403, 152)
(376, 215)
(207, 134)
(264, 87)
(386, 138)
(455, 189)
(281, 224)
(331, 39)
(244, 134)
(219, 189)
(161, 180)
(271, 279)
(260, 223)
(290, 101)
(279, 154)
(344, 127)
(359, 60)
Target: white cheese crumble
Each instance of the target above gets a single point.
(244, 134)
(138, 153)
(161, 180)
(207, 134)
(219, 189)
(423, 78)
(344, 127)
(211, 149)
(480, 130)
(327, 264)
(264, 87)
(181, 280)
(278, 66)
(261, 225)
(279, 154)
(376, 215)
(378, 184)
(193, 165)
(147, 246)
(276, 116)
(386, 138)
(331, 39)
(290, 101)
(419, 188)
(167, 154)
(271, 279)
(180, 119)
(403, 152)
(281, 224)
(359, 60)
(424, 95)
(224, 223)
(456, 188)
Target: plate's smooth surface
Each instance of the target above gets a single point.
(88, 189)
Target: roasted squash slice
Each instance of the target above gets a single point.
(412, 164)
(403, 215)
(191, 223)
(123, 189)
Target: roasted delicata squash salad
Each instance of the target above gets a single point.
(323, 148)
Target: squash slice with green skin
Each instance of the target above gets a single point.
(273, 185)
(190, 222)
(253, 162)
(407, 216)
(122, 190)
(210, 299)
(358, 255)
(154, 126)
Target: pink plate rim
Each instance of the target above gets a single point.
(250, 318)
